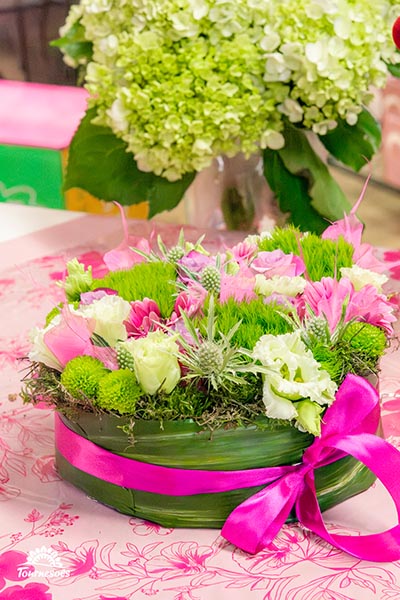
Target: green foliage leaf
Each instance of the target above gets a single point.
(394, 69)
(300, 159)
(100, 164)
(303, 184)
(74, 44)
(353, 145)
(291, 194)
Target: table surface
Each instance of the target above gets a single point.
(96, 553)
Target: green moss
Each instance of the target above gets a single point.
(331, 360)
(82, 375)
(119, 391)
(257, 319)
(155, 280)
(323, 258)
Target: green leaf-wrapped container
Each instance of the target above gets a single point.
(183, 444)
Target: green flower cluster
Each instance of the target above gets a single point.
(184, 81)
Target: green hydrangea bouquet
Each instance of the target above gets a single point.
(175, 84)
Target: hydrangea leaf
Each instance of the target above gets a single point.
(303, 184)
(353, 145)
(394, 69)
(291, 193)
(74, 44)
(100, 164)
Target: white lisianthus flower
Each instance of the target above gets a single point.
(279, 284)
(39, 351)
(360, 277)
(155, 361)
(293, 375)
(109, 312)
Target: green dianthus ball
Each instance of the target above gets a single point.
(119, 391)
(366, 339)
(81, 376)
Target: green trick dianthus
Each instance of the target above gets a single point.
(155, 280)
(256, 318)
(322, 258)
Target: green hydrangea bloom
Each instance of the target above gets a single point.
(184, 81)
(82, 375)
(119, 392)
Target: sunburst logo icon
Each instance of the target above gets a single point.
(43, 557)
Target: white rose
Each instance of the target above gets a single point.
(155, 361)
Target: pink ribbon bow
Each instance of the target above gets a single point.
(349, 428)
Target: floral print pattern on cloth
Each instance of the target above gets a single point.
(56, 543)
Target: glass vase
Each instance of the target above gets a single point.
(232, 194)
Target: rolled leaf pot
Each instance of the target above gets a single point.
(184, 445)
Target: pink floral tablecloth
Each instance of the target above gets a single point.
(83, 550)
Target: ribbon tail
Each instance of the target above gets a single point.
(384, 461)
(253, 525)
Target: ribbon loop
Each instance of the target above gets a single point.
(261, 517)
(348, 427)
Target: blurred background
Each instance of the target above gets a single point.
(27, 27)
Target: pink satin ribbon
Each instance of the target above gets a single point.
(349, 427)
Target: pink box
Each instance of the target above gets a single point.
(38, 115)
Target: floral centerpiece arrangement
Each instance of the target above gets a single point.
(185, 363)
(175, 85)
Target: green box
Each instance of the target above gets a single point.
(31, 176)
(37, 123)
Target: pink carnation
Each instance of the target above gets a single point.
(191, 304)
(145, 316)
(239, 286)
(374, 308)
(332, 298)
